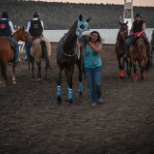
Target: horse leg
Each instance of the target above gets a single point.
(69, 75)
(3, 77)
(39, 71)
(142, 69)
(59, 85)
(128, 63)
(121, 68)
(135, 72)
(13, 73)
(33, 75)
(80, 77)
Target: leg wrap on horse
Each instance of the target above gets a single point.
(58, 91)
(70, 96)
(80, 87)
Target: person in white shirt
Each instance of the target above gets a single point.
(6, 29)
(35, 28)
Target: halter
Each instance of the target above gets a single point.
(79, 29)
(122, 34)
(82, 25)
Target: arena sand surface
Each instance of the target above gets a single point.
(32, 123)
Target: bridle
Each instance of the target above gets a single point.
(123, 34)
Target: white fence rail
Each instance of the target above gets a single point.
(108, 35)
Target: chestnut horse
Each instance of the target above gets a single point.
(120, 50)
(138, 53)
(7, 54)
(69, 53)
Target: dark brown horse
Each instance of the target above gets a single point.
(7, 54)
(69, 54)
(138, 53)
(120, 49)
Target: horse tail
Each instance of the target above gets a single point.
(45, 53)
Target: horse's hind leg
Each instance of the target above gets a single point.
(13, 73)
(33, 75)
(69, 74)
(39, 76)
(59, 85)
(128, 63)
(142, 69)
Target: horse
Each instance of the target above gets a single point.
(40, 50)
(7, 54)
(120, 49)
(69, 53)
(138, 53)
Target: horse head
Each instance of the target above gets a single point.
(21, 34)
(82, 26)
(123, 30)
(140, 46)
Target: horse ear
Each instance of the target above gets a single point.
(127, 22)
(120, 23)
(23, 28)
(80, 17)
(88, 19)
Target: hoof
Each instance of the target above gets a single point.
(38, 79)
(142, 78)
(80, 93)
(121, 74)
(70, 101)
(59, 100)
(14, 82)
(3, 85)
(32, 80)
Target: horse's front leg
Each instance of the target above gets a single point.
(13, 73)
(80, 69)
(121, 68)
(59, 85)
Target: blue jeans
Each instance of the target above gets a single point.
(94, 78)
(27, 48)
(129, 42)
(16, 46)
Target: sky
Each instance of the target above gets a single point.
(135, 2)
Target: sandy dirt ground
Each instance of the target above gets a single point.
(31, 122)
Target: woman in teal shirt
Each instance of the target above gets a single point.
(93, 67)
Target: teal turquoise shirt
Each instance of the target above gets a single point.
(92, 58)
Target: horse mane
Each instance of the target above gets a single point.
(136, 39)
(69, 38)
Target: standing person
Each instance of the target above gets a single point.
(35, 28)
(6, 29)
(137, 30)
(93, 67)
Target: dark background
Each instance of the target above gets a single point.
(62, 15)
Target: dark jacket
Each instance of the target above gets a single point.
(5, 28)
(36, 28)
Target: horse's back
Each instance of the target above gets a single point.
(36, 48)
